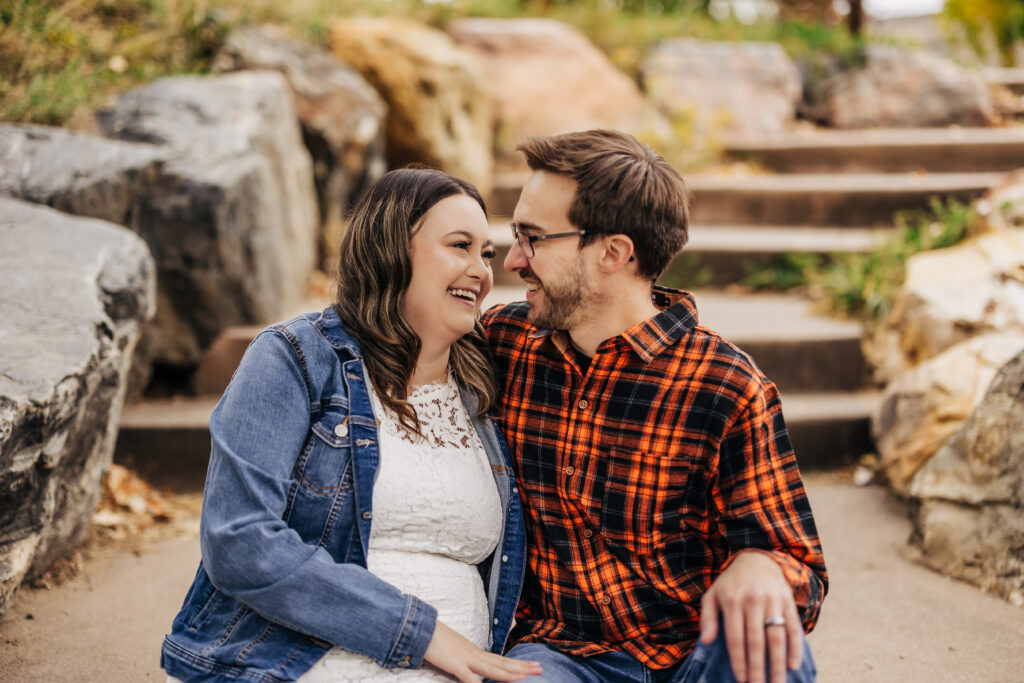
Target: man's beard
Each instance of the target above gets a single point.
(565, 302)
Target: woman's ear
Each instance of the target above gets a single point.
(618, 252)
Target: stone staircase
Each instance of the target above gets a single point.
(824, 192)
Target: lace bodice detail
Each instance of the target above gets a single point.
(439, 411)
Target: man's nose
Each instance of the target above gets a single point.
(515, 259)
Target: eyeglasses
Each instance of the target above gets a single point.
(526, 242)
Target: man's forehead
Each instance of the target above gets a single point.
(545, 199)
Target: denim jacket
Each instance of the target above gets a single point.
(286, 521)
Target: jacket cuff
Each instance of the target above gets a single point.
(414, 636)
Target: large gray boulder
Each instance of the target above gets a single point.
(899, 88)
(342, 118)
(970, 515)
(73, 296)
(77, 174)
(716, 88)
(231, 218)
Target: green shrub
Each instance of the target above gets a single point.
(863, 285)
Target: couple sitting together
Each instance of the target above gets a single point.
(586, 486)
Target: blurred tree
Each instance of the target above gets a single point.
(984, 22)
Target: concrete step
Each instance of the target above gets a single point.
(798, 348)
(854, 199)
(168, 442)
(1011, 78)
(866, 199)
(889, 150)
(719, 255)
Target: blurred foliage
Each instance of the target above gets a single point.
(59, 57)
(864, 285)
(988, 23)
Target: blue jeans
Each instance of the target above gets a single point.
(708, 663)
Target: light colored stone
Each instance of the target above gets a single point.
(970, 518)
(232, 219)
(950, 295)
(73, 296)
(926, 405)
(342, 118)
(902, 88)
(1002, 207)
(439, 106)
(546, 78)
(739, 89)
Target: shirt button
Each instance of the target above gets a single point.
(605, 600)
(341, 430)
(569, 470)
(587, 533)
(495, 621)
(504, 558)
(583, 404)
(367, 515)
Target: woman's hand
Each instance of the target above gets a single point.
(454, 654)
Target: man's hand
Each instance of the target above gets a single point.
(452, 653)
(749, 591)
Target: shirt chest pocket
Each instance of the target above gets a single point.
(642, 498)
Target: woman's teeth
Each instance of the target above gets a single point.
(467, 294)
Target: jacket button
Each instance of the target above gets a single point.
(587, 533)
(569, 470)
(367, 515)
(583, 404)
(605, 600)
(404, 662)
(341, 430)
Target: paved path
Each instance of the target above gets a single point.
(885, 619)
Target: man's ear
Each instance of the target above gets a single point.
(618, 252)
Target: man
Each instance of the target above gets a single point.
(662, 498)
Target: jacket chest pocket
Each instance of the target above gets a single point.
(642, 499)
(324, 468)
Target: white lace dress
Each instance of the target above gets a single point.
(436, 514)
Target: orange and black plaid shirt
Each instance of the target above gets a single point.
(642, 472)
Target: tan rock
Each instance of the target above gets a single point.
(926, 405)
(951, 295)
(547, 78)
(738, 89)
(439, 107)
(969, 520)
(1002, 207)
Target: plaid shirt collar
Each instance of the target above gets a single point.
(652, 336)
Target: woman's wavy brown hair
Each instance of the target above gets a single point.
(374, 272)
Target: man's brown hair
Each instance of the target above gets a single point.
(623, 187)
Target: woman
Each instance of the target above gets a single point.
(359, 518)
